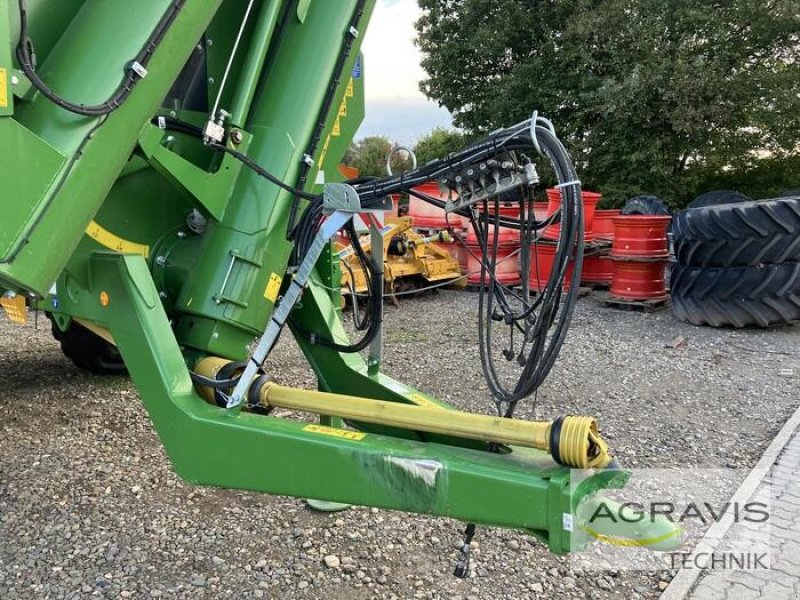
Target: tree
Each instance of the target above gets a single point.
(654, 96)
(438, 143)
(369, 154)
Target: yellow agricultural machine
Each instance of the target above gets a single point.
(409, 258)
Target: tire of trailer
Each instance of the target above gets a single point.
(88, 351)
(739, 235)
(761, 296)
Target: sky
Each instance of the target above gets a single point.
(395, 106)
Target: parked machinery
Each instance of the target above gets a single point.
(407, 256)
(166, 188)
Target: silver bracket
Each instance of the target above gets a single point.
(278, 319)
(344, 197)
(488, 185)
(215, 132)
(340, 196)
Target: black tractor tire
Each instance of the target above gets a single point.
(645, 205)
(88, 351)
(739, 235)
(718, 197)
(764, 296)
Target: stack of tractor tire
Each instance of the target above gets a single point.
(737, 261)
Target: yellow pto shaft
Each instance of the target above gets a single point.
(571, 440)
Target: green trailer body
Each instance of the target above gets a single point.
(179, 252)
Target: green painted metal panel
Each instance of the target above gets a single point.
(254, 61)
(342, 127)
(85, 65)
(283, 119)
(26, 155)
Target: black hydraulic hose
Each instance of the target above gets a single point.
(549, 328)
(134, 71)
(172, 124)
(375, 298)
(254, 166)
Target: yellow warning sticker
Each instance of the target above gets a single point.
(421, 400)
(341, 433)
(15, 309)
(350, 89)
(3, 88)
(337, 128)
(273, 287)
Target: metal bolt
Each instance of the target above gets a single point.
(210, 81)
(209, 42)
(181, 235)
(173, 114)
(161, 260)
(162, 295)
(14, 80)
(237, 136)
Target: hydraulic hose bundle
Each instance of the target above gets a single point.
(539, 321)
(542, 321)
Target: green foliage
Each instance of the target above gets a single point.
(439, 143)
(652, 96)
(369, 154)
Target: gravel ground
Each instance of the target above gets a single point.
(89, 505)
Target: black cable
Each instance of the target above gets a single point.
(254, 166)
(216, 384)
(173, 124)
(376, 297)
(26, 56)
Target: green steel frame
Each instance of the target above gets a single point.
(100, 208)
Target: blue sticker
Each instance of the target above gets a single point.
(357, 68)
(54, 301)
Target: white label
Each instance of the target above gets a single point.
(566, 521)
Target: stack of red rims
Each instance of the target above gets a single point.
(598, 268)
(640, 252)
(507, 265)
(543, 252)
(589, 199)
(543, 255)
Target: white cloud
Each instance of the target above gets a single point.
(392, 75)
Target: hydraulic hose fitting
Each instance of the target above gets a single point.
(575, 442)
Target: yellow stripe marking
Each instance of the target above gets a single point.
(113, 242)
(3, 88)
(341, 433)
